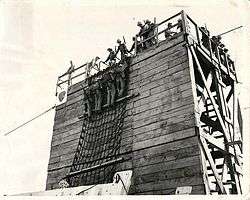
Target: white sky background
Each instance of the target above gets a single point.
(39, 38)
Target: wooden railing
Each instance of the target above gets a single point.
(188, 26)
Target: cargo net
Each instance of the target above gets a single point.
(99, 142)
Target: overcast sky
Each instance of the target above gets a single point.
(39, 38)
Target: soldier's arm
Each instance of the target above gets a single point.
(107, 58)
(116, 52)
(132, 47)
(126, 49)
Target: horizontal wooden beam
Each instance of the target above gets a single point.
(94, 167)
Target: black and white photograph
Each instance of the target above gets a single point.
(111, 98)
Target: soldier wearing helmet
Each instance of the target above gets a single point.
(138, 45)
(150, 28)
(179, 25)
(168, 32)
(122, 49)
(111, 57)
(142, 33)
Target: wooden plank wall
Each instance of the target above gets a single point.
(66, 133)
(158, 140)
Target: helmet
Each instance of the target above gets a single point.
(109, 49)
(118, 41)
(139, 23)
(147, 21)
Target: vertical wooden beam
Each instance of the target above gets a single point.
(197, 33)
(204, 170)
(197, 121)
(224, 170)
(224, 107)
(157, 32)
(184, 23)
(220, 95)
(192, 77)
(135, 45)
(237, 176)
(210, 47)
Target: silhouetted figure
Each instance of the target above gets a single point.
(123, 50)
(214, 44)
(150, 29)
(179, 25)
(109, 81)
(120, 79)
(168, 33)
(86, 102)
(142, 34)
(92, 65)
(221, 52)
(205, 37)
(111, 57)
(70, 71)
(139, 47)
(96, 89)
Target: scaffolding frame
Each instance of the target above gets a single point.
(214, 82)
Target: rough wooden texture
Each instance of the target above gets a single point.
(158, 139)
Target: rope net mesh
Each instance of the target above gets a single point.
(99, 142)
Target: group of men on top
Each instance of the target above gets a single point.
(111, 59)
(145, 38)
(145, 34)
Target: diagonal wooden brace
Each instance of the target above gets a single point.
(225, 132)
(212, 164)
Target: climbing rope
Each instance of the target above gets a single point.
(22, 125)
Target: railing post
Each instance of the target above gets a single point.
(184, 22)
(197, 33)
(69, 79)
(218, 54)
(157, 32)
(135, 45)
(210, 46)
(226, 61)
(157, 36)
(57, 85)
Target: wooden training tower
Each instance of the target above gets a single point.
(176, 125)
